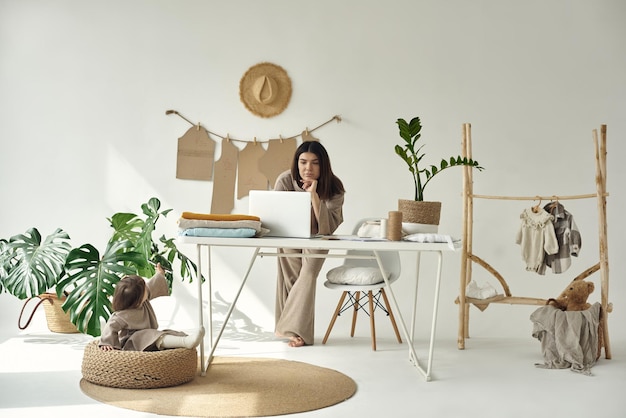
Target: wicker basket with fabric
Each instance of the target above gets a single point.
(57, 319)
(139, 369)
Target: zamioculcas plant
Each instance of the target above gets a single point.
(410, 132)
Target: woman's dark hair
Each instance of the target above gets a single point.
(128, 293)
(328, 185)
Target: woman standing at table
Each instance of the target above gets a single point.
(297, 276)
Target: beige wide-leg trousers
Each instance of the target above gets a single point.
(295, 294)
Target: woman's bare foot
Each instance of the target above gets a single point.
(296, 341)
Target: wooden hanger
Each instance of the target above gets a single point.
(554, 202)
(536, 208)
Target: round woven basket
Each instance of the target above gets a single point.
(57, 319)
(139, 369)
(420, 212)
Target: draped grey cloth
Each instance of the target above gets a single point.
(569, 339)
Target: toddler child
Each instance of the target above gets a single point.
(133, 324)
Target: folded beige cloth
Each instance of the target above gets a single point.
(219, 217)
(204, 223)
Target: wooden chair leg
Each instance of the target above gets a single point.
(356, 310)
(372, 322)
(393, 319)
(334, 318)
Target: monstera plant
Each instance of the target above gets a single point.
(30, 267)
(83, 275)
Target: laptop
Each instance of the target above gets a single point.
(285, 214)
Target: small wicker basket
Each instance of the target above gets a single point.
(420, 212)
(57, 319)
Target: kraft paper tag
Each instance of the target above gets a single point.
(195, 155)
(277, 158)
(223, 200)
(306, 136)
(250, 178)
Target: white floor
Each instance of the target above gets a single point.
(495, 377)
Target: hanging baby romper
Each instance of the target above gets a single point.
(536, 237)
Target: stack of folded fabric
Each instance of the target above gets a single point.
(215, 225)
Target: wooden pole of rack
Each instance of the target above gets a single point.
(466, 248)
(600, 149)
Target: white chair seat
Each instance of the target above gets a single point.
(358, 276)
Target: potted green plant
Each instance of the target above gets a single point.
(82, 276)
(410, 151)
(30, 269)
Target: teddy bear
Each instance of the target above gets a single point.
(574, 297)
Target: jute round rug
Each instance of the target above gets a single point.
(237, 387)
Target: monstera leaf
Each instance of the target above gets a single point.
(140, 232)
(170, 252)
(29, 267)
(91, 280)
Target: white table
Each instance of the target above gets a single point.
(331, 245)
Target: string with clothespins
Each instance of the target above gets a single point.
(227, 137)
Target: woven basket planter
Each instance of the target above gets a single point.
(139, 369)
(57, 319)
(420, 212)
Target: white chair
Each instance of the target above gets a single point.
(361, 275)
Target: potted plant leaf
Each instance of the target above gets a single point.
(418, 211)
(30, 270)
(91, 278)
(83, 278)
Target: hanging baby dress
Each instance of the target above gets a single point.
(536, 237)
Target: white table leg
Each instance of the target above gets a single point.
(230, 311)
(200, 310)
(433, 327)
(210, 285)
(409, 336)
(414, 314)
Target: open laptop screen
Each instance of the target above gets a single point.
(284, 213)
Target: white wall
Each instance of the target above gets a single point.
(84, 86)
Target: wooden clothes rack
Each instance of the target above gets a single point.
(468, 257)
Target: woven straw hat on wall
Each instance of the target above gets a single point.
(265, 89)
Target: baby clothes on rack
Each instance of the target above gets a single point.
(567, 236)
(536, 237)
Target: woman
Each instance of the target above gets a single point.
(295, 293)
